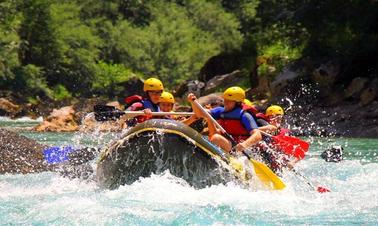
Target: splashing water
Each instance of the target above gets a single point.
(47, 198)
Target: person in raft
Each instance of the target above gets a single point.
(153, 89)
(277, 159)
(166, 104)
(274, 116)
(240, 124)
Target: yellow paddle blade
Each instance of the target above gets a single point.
(266, 175)
(236, 164)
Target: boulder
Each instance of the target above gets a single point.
(282, 80)
(355, 87)
(261, 91)
(214, 99)
(368, 95)
(89, 124)
(8, 108)
(223, 81)
(60, 120)
(19, 154)
(191, 86)
(325, 74)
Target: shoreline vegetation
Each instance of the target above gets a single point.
(315, 58)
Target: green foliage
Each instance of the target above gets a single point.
(61, 93)
(109, 77)
(78, 48)
(34, 84)
(9, 39)
(59, 49)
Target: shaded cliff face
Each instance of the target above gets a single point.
(19, 154)
(150, 153)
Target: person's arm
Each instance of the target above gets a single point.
(198, 112)
(190, 120)
(269, 129)
(255, 135)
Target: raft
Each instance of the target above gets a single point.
(158, 145)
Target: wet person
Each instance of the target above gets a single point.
(153, 89)
(235, 121)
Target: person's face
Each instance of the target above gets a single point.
(165, 107)
(154, 96)
(229, 104)
(275, 120)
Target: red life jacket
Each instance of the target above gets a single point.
(233, 125)
(251, 109)
(137, 103)
(262, 116)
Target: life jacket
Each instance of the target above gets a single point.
(231, 122)
(137, 103)
(262, 116)
(251, 109)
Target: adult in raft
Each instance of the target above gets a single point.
(277, 159)
(153, 89)
(240, 124)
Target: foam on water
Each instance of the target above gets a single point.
(47, 198)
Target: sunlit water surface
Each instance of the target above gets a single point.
(49, 199)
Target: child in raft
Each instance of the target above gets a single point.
(166, 104)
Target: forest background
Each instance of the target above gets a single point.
(60, 50)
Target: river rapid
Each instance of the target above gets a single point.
(49, 199)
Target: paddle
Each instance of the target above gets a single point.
(319, 189)
(106, 113)
(302, 147)
(262, 171)
(290, 145)
(56, 155)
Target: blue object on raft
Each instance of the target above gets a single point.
(54, 155)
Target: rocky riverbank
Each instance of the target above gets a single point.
(319, 106)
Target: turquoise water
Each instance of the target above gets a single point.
(48, 199)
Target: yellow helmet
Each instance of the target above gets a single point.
(167, 97)
(234, 93)
(248, 103)
(274, 110)
(153, 84)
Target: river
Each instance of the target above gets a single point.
(49, 199)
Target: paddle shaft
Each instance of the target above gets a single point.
(304, 178)
(215, 122)
(160, 113)
(233, 141)
(262, 171)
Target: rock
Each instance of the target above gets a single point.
(325, 74)
(192, 86)
(368, 95)
(223, 81)
(355, 87)
(115, 104)
(89, 124)
(214, 99)
(261, 91)
(8, 108)
(60, 120)
(282, 80)
(19, 154)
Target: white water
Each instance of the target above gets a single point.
(163, 199)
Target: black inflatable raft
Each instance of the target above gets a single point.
(158, 145)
